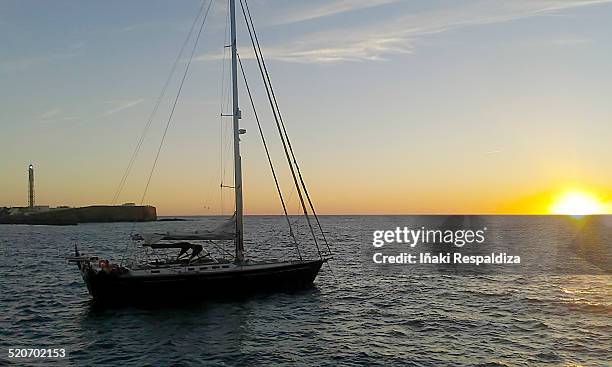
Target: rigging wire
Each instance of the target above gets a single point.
(155, 108)
(152, 116)
(263, 139)
(283, 126)
(178, 94)
(210, 196)
(274, 107)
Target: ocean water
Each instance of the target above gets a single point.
(554, 310)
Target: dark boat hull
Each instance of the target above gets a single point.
(124, 288)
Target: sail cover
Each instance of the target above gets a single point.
(225, 231)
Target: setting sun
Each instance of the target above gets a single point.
(577, 203)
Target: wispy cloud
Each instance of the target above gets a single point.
(57, 115)
(49, 113)
(373, 49)
(59, 119)
(309, 10)
(558, 41)
(120, 106)
(571, 41)
(23, 63)
(306, 51)
(52, 116)
(400, 32)
(17, 65)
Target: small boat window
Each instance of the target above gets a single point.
(154, 271)
(190, 269)
(225, 266)
(203, 268)
(215, 267)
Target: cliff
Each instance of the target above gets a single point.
(88, 214)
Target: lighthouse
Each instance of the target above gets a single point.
(31, 186)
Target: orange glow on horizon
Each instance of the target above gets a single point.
(577, 203)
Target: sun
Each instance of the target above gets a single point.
(577, 203)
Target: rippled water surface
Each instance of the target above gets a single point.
(363, 315)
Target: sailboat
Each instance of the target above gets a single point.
(193, 272)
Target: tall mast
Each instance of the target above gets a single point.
(236, 117)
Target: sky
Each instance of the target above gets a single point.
(393, 107)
